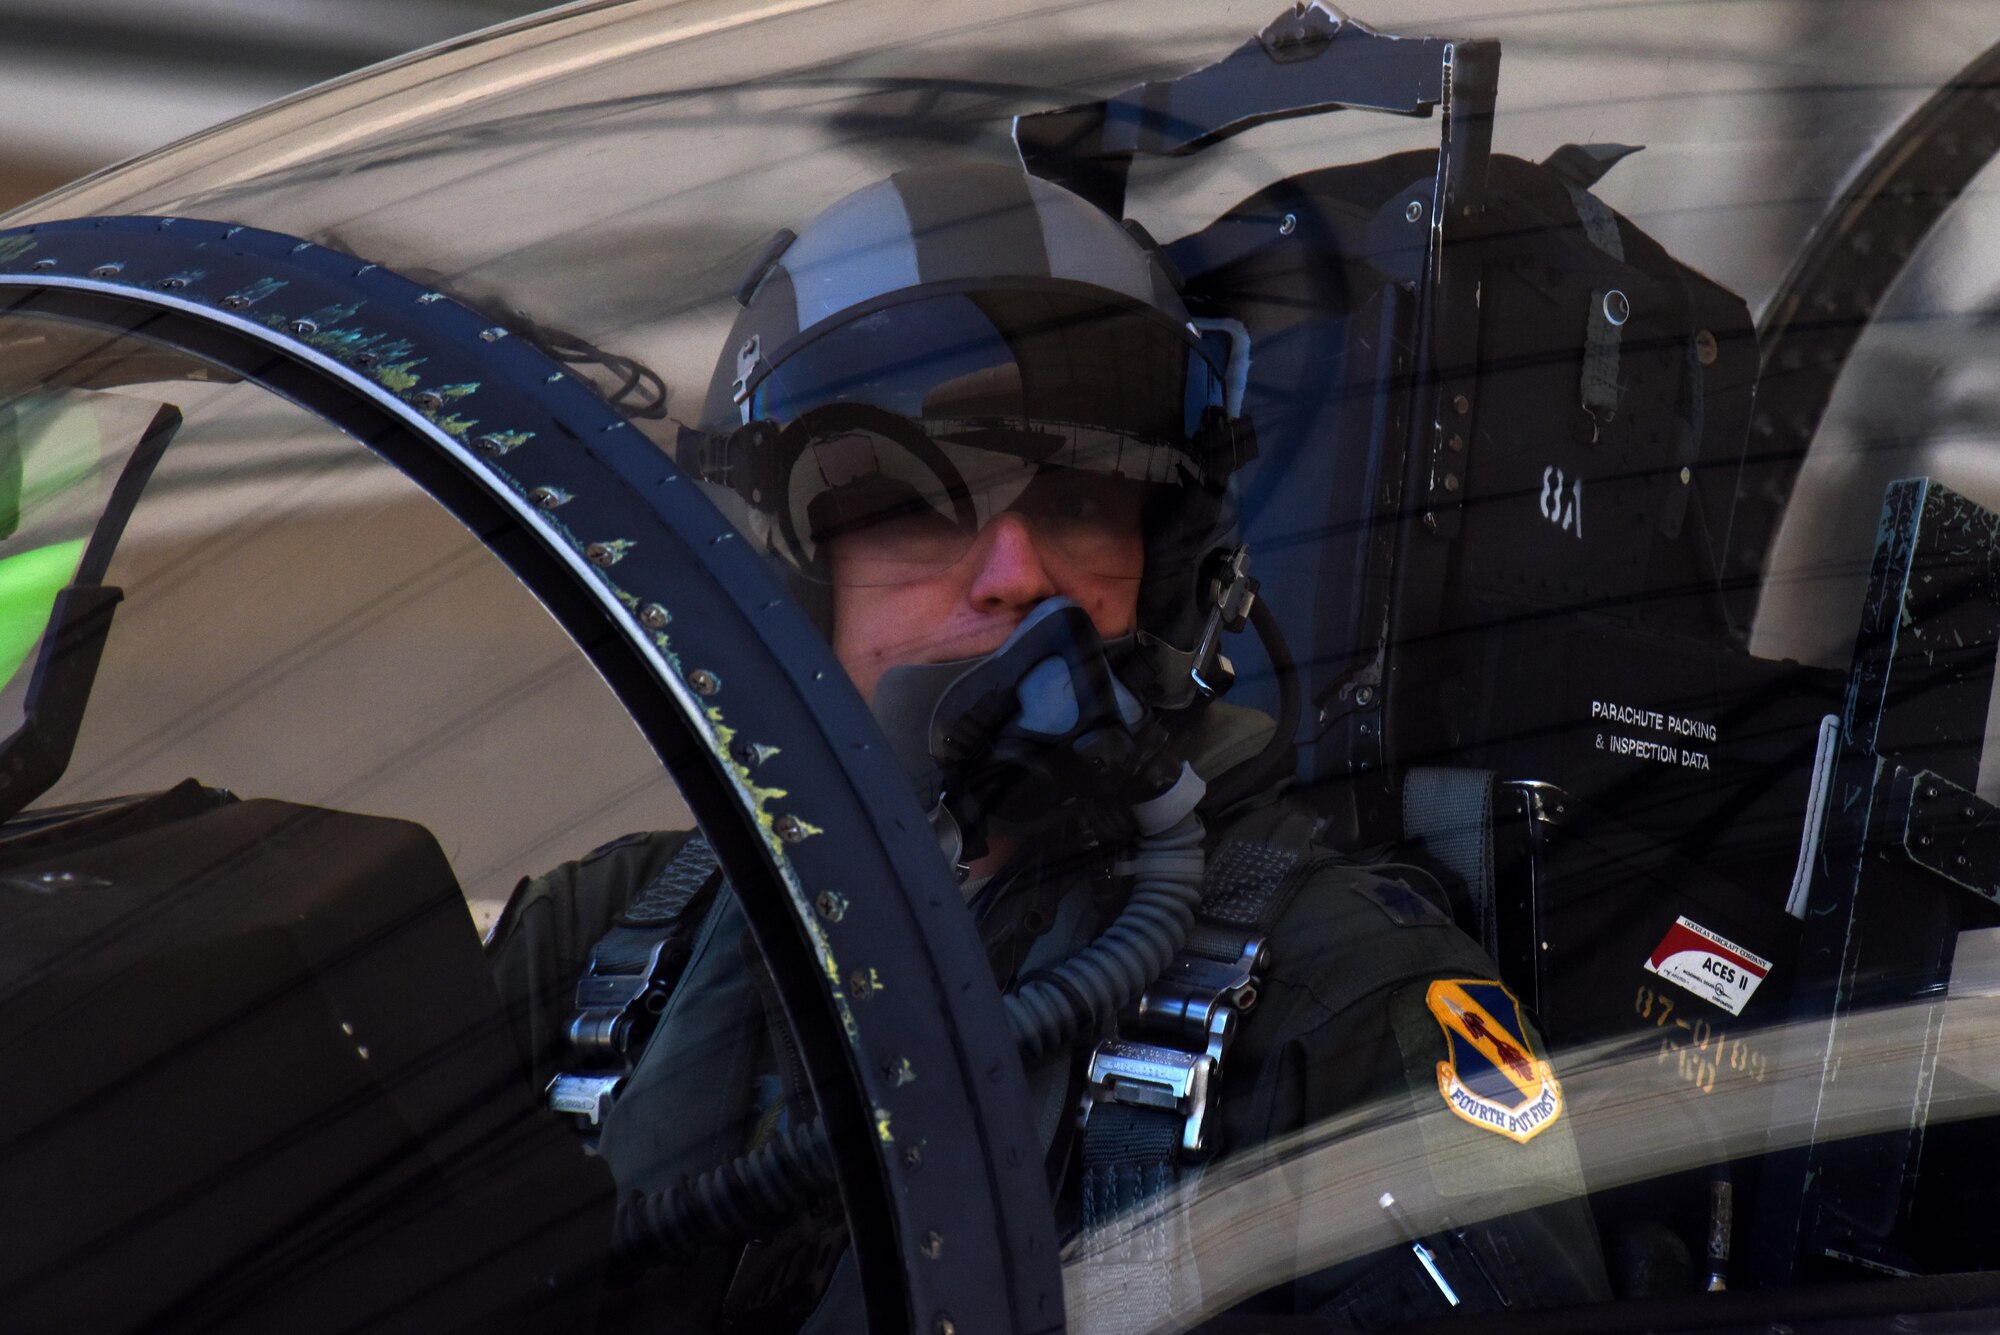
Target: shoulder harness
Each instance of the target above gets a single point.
(632, 972)
(1152, 1087)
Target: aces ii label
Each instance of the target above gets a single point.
(1712, 967)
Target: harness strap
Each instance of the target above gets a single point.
(663, 900)
(1451, 810)
(1246, 885)
(1143, 1282)
(632, 971)
(1152, 1088)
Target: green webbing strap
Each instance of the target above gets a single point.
(1451, 810)
(1245, 885)
(633, 969)
(644, 952)
(1132, 1156)
(1145, 1280)
(655, 910)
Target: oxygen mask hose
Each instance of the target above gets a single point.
(736, 1201)
(1087, 990)
(1044, 713)
(1044, 727)
(732, 1202)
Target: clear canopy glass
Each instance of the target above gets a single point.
(1596, 899)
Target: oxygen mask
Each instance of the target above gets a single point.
(1037, 732)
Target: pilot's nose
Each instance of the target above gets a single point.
(1008, 569)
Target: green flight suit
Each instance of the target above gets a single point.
(1342, 1023)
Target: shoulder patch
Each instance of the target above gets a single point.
(1492, 1077)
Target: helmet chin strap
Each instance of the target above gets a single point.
(1041, 727)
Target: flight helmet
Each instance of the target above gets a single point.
(952, 342)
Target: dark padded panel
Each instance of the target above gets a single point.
(259, 1080)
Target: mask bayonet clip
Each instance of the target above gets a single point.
(1232, 593)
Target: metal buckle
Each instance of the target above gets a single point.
(1194, 1004)
(1145, 1075)
(586, 1096)
(1232, 593)
(601, 1030)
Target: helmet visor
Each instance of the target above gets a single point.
(908, 431)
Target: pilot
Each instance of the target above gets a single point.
(968, 417)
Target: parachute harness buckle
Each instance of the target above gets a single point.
(1179, 1032)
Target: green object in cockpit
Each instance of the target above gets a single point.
(29, 583)
(48, 449)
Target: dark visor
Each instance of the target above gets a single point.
(908, 430)
(1025, 372)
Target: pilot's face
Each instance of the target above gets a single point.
(1092, 551)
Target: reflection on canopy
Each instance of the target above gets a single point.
(1312, 1199)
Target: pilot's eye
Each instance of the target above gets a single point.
(873, 503)
(1073, 502)
(1072, 498)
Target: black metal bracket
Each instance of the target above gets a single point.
(1448, 304)
(1948, 830)
(1309, 60)
(1875, 933)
